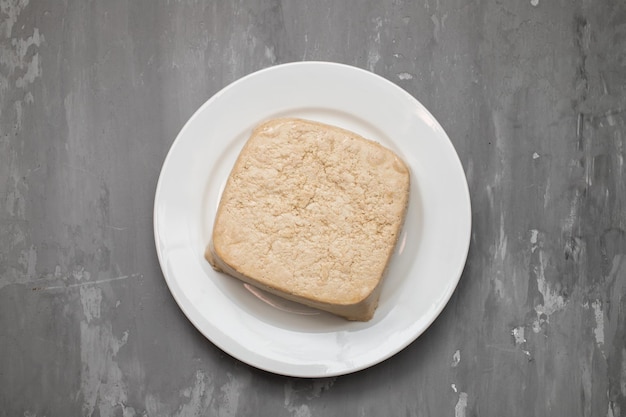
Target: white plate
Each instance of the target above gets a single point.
(301, 342)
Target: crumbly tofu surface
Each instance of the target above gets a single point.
(312, 212)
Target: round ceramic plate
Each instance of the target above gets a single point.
(281, 337)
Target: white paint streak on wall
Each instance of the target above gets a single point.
(15, 199)
(499, 120)
(10, 11)
(91, 299)
(269, 54)
(14, 191)
(552, 300)
(456, 358)
(79, 274)
(436, 27)
(20, 60)
(546, 193)
(32, 66)
(201, 398)
(102, 382)
(461, 405)
(499, 287)
(33, 71)
(373, 51)
(598, 331)
(453, 386)
(19, 66)
(152, 405)
(619, 149)
(28, 262)
(293, 395)
(568, 223)
(518, 335)
(301, 410)
(13, 196)
(610, 413)
(197, 398)
(502, 241)
(533, 240)
(230, 392)
(18, 114)
(586, 384)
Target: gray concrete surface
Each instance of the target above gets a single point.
(532, 94)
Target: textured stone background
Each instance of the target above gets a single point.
(532, 94)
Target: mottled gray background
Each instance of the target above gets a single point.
(531, 92)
